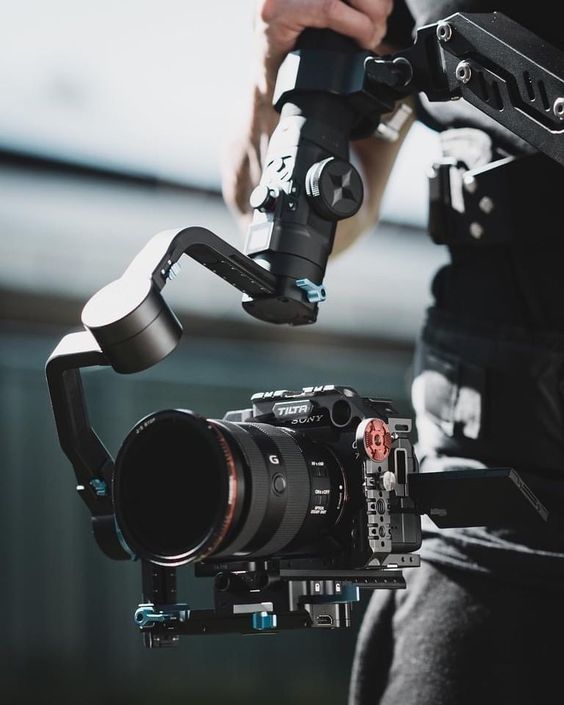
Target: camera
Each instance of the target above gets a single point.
(320, 475)
(289, 505)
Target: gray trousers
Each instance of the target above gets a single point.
(455, 638)
(491, 396)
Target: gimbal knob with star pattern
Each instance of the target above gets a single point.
(334, 188)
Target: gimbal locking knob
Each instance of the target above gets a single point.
(334, 188)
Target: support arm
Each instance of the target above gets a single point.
(493, 63)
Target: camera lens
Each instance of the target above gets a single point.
(188, 488)
(175, 487)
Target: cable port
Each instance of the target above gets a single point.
(325, 620)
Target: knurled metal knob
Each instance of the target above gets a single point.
(334, 188)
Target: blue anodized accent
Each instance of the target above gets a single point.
(99, 486)
(264, 620)
(147, 616)
(315, 293)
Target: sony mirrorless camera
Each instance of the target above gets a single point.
(290, 505)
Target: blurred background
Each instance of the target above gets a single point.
(112, 127)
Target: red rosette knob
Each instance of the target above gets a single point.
(377, 440)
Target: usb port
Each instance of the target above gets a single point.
(325, 620)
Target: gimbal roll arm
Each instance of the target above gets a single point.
(163, 251)
(92, 463)
(130, 327)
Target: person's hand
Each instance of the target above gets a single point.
(278, 24)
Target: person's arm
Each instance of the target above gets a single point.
(374, 160)
(278, 25)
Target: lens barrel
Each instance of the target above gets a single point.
(188, 488)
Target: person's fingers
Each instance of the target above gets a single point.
(378, 11)
(342, 18)
(286, 19)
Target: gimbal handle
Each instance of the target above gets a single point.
(330, 92)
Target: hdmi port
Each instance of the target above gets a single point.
(325, 620)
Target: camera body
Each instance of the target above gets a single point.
(358, 526)
(375, 517)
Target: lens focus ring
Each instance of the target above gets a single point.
(259, 487)
(297, 488)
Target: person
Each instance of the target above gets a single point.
(482, 620)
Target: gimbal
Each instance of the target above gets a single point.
(328, 93)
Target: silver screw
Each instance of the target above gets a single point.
(486, 205)
(463, 72)
(558, 108)
(470, 184)
(444, 32)
(476, 230)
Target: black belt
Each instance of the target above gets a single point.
(515, 200)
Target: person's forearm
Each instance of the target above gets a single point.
(242, 169)
(375, 157)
